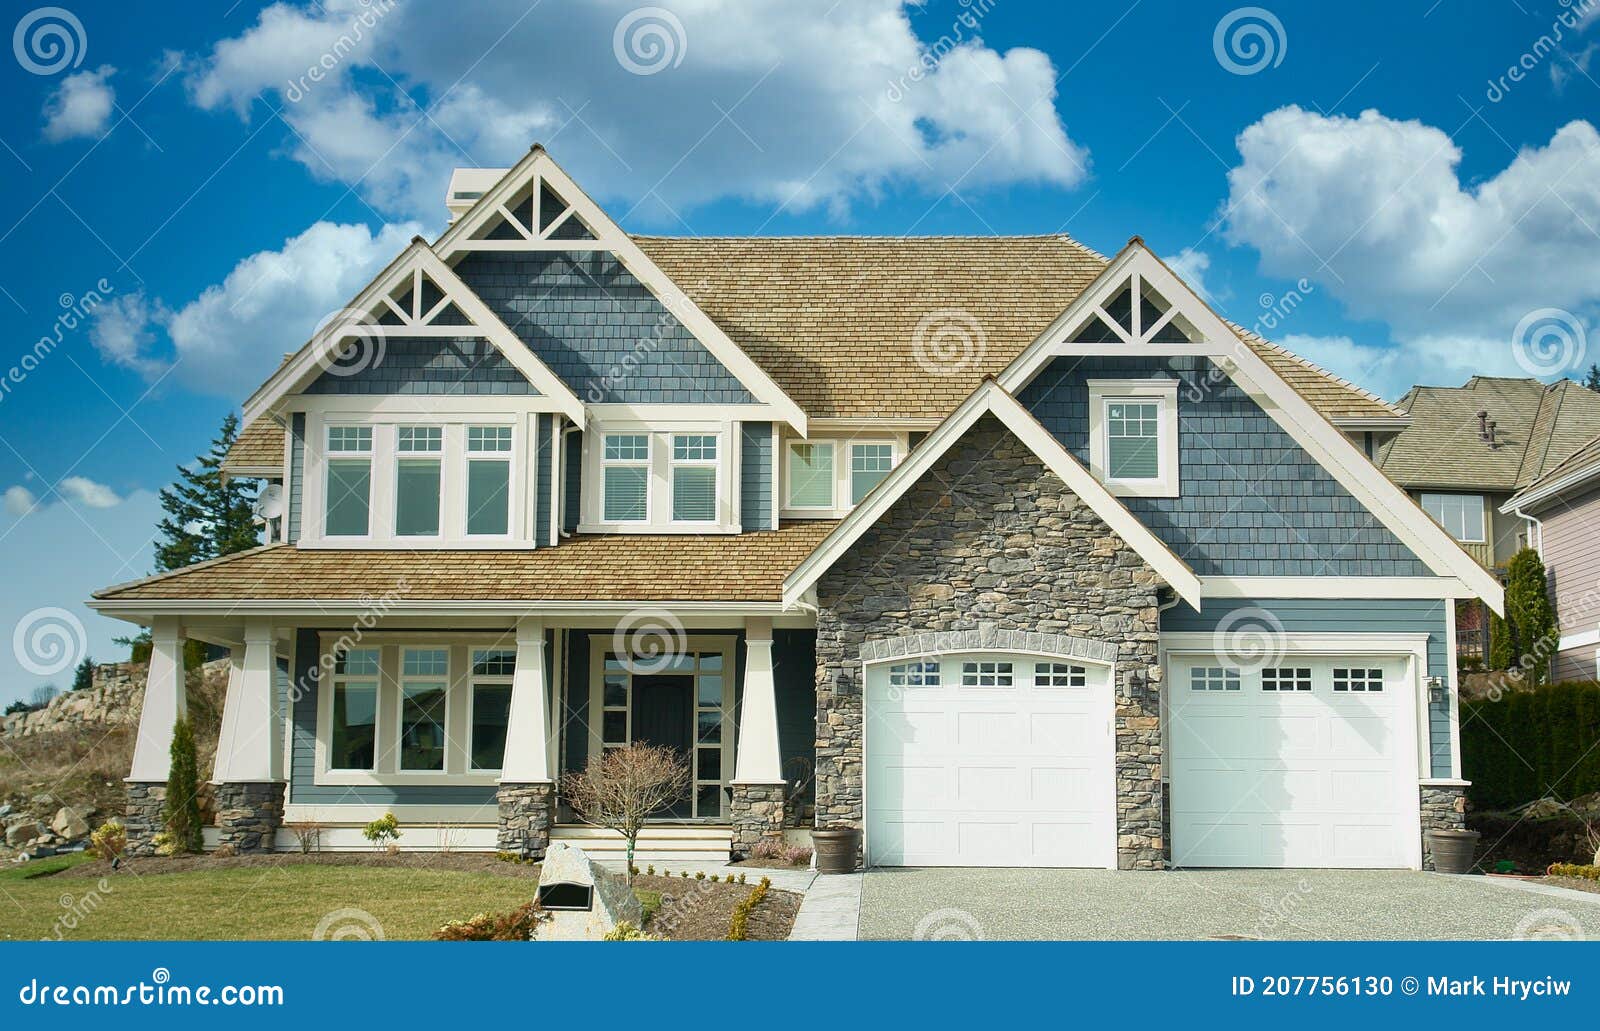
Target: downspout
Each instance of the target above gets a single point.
(561, 488)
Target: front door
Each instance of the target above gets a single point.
(663, 715)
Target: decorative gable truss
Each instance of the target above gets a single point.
(536, 206)
(1140, 307)
(417, 295)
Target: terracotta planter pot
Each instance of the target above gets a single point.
(836, 849)
(1452, 851)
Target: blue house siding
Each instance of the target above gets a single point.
(1364, 616)
(545, 497)
(297, 471)
(599, 329)
(755, 476)
(427, 365)
(572, 485)
(1253, 502)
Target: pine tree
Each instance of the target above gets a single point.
(83, 676)
(1528, 608)
(1502, 645)
(206, 515)
(1591, 379)
(182, 809)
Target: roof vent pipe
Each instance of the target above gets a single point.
(1490, 437)
(1483, 425)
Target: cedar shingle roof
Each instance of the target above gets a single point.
(748, 567)
(1538, 426)
(259, 444)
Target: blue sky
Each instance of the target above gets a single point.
(184, 171)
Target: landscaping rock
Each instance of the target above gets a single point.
(613, 898)
(70, 823)
(20, 831)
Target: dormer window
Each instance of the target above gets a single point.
(626, 477)
(644, 479)
(1133, 436)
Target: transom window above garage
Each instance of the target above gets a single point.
(1283, 679)
(1213, 678)
(1059, 674)
(914, 674)
(983, 673)
(1357, 679)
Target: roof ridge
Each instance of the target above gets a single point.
(1558, 389)
(171, 573)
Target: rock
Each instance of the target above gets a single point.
(611, 899)
(69, 823)
(5, 810)
(42, 801)
(23, 830)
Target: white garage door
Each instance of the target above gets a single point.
(989, 760)
(1309, 764)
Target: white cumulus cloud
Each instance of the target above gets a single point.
(81, 106)
(87, 492)
(19, 501)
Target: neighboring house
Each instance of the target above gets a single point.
(1563, 509)
(1467, 449)
(1029, 555)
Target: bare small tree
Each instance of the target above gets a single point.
(620, 789)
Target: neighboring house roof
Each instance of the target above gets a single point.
(1537, 427)
(1578, 471)
(747, 567)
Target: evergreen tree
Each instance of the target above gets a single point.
(1528, 608)
(83, 676)
(182, 808)
(1502, 646)
(206, 515)
(1591, 379)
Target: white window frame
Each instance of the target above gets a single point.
(468, 456)
(404, 678)
(370, 455)
(658, 480)
(1468, 502)
(607, 464)
(336, 680)
(1164, 392)
(399, 456)
(715, 464)
(843, 458)
(476, 680)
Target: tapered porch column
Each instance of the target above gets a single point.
(248, 777)
(165, 702)
(758, 788)
(527, 792)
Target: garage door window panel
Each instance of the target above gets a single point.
(1059, 674)
(914, 674)
(1286, 679)
(1357, 680)
(1213, 678)
(987, 674)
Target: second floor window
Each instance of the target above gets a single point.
(626, 478)
(694, 478)
(488, 481)
(1133, 436)
(1460, 514)
(418, 470)
(349, 483)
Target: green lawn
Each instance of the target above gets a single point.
(285, 902)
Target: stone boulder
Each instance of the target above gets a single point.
(20, 832)
(69, 824)
(611, 898)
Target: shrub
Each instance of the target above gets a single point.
(1532, 744)
(109, 841)
(182, 809)
(165, 844)
(1529, 610)
(383, 831)
(626, 932)
(224, 851)
(738, 926)
(1588, 873)
(307, 835)
(777, 849)
(1501, 646)
(514, 926)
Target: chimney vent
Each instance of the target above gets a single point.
(1483, 425)
(1490, 437)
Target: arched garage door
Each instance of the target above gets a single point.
(990, 759)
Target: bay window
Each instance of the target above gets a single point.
(349, 484)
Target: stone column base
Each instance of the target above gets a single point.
(249, 815)
(756, 812)
(144, 816)
(1443, 809)
(526, 813)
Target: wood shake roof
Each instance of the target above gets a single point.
(748, 567)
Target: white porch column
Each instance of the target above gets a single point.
(758, 760)
(527, 759)
(165, 701)
(250, 746)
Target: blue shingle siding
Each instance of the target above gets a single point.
(544, 499)
(755, 476)
(1253, 502)
(794, 675)
(572, 487)
(428, 365)
(599, 329)
(297, 473)
(1361, 615)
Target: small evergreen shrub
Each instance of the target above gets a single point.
(109, 840)
(181, 811)
(626, 932)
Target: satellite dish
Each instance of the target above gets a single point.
(269, 503)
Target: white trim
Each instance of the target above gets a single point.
(1336, 587)
(1164, 392)
(1583, 639)
(658, 477)
(1292, 412)
(1452, 692)
(538, 167)
(1332, 643)
(1530, 497)
(1371, 423)
(415, 261)
(990, 398)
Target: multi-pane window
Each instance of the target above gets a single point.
(424, 691)
(869, 464)
(1213, 678)
(986, 674)
(615, 698)
(1286, 678)
(625, 479)
(1358, 679)
(694, 478)
(488, 481)
(811, 475)
(1059, 674)
(1460, 514)
(491, 706)
(1133, 433)
(418, 465)
(348, 497)
(915, 674)
(353, 741)
(709, 686)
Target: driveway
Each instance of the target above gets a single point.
(1250, 904)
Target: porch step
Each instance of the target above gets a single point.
(656, 844)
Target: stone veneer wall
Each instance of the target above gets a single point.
(525, 818)
(990, 540)
(1443, 809)
(249, 815)
(144, 820)
(756, 812)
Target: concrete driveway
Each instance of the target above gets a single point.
(1209, 904)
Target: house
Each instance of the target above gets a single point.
(1465, 450)
(1561, 508)
(1031, 557)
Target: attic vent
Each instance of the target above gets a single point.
(1486, 428)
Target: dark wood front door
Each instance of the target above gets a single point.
(663, 715)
